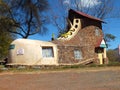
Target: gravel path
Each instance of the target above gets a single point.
(80, 79)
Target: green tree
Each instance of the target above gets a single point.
(109, 38)
(5, 39)
(25, 17)
(113, 55)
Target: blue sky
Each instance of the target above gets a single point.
(112, 27)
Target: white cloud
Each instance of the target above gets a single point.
(66, 2)
(89, 3)
(82, 3)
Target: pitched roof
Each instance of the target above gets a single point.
(86, 15)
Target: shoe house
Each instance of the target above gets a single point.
(83, 43)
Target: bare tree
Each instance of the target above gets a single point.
(25, 17)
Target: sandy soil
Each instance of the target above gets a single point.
(73, 79)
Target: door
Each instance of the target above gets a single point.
(100, 56)
(100, 52)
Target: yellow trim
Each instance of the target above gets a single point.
(100, 56)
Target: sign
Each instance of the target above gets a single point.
(12, 46)
(20, 51)
(103, 44)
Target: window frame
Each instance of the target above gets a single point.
(46, 52)
(78, 54)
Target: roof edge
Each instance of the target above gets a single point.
(87, 15)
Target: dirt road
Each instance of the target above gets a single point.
(80, 79)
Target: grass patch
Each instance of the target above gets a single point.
(56, 68)
(2, 66)
(23, 70)
(92, 65)
(74, 66)
(115, 63)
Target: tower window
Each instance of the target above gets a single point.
(97, 33)
(76, 26)
(77, 21)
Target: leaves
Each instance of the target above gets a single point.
(5, 40)
(109, 37)
(113, 55)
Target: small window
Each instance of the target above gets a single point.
(77, 21)
(97, 33)
(77, 54)
(47, 52)
(76, 26)
(12, 46)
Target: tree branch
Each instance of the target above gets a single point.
(15, 32)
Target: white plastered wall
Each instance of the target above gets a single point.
(31, 53)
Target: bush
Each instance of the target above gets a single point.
(113, 63)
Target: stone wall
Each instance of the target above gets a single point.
(85, 41)
(66, 54)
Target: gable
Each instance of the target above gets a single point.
(101, 43)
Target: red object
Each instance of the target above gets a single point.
(99, 42)
(86, 15)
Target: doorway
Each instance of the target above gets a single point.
(100, 52)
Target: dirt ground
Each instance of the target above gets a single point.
(73, 79)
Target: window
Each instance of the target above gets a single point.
(77, 21)
(47, 52)
(76, 26)
(77, 54)
(97, 33)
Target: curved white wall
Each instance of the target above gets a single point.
(31, 53)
